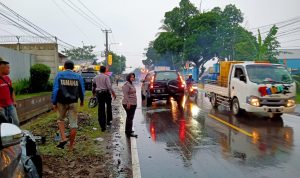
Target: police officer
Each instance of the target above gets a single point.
(102, 88)
(68, 87)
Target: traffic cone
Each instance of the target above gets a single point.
(72, 138)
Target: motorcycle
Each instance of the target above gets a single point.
(192, 92)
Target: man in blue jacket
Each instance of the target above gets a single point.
(68, 87)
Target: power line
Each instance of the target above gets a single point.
(277, 23)
(106, 26)
(70, 19)
(27, 22)
(282, 24)
(81, 13)
(18, 25)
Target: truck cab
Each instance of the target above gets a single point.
(254, 87)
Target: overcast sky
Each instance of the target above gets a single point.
(135, 23)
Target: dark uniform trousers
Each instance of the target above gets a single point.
(104, 117)
(129, 119)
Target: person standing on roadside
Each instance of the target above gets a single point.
(7, 96)
(102, 88)
(129, 103)
(67, 88)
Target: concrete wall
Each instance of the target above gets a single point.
(31, 107)
(46, 53)
(20, 63)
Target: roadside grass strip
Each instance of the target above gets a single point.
(230, 125)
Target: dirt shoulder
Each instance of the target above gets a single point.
(96, 154)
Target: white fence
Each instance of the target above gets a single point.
(20, 63)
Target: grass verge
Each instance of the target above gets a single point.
(88, 131)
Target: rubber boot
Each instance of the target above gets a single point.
(61, 127)
(72, 139)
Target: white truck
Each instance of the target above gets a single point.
(253, 87)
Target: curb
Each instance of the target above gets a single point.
(136, 172)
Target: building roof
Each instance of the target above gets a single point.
(62, 55)
(289, 54)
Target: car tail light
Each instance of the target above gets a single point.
(152, 82)
(181, 82)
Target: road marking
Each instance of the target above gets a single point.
(230, 125)
(136, 171)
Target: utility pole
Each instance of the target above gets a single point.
(106, 46)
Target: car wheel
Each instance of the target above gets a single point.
(235, 106)
(213, 100)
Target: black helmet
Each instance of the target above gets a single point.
(93, 102)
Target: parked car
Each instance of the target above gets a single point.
(88, 79)
(18, 156)
(162, 85)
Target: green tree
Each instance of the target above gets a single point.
(192, 36)
(84, 53)
(267, 49)
(118, 64)
(170, 42)
(176, 20)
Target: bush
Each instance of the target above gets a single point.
(49, 85)
(39, 76)
(21, 86)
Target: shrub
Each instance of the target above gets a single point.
(49, 85)
(21, 86)
(39, 76)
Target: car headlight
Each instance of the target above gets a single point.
(290, 102)
(254, 101)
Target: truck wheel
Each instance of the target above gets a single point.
(235, 106)
(213, 100)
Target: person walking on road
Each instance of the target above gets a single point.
(7, 96)
(129, 103)
(68, 87)
(102, 88)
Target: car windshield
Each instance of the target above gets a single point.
(88, 74)
(268, 74)
(166, 76)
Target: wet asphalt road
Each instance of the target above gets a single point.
(198, 141)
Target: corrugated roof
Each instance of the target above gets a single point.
(289, 54)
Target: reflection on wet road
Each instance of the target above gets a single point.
(197, 141)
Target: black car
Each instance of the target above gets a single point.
(162, 85)
(88, 79)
